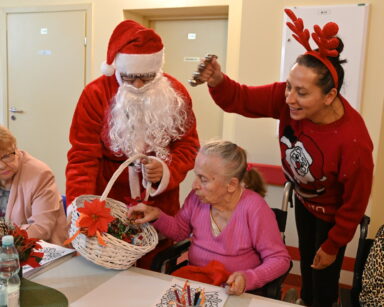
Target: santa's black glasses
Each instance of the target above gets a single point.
(131, 78)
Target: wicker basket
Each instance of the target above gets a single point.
(116, 254)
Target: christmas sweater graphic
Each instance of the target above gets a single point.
(303, 163)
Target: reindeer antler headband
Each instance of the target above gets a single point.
(324, 38)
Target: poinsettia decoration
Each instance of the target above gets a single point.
(95, 218)
(28, 248)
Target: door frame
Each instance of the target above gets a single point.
(146, 16)
(4, 47)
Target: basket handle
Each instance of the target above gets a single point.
(117, 173)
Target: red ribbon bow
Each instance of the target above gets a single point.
(130, 202)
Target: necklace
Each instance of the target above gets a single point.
(220, 218)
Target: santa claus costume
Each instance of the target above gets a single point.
(114, 120)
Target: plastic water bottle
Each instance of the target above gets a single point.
(13, 289)
(9, 267)
(3, 294)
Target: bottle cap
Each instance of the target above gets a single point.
(7, 240)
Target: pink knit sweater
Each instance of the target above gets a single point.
(250, 242)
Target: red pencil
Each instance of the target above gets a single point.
(177, 296)
(189, 295)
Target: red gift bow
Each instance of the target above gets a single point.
(130, 202)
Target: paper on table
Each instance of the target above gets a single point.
(139, 288)
(52, 254)
(126, 288)
(214, 296)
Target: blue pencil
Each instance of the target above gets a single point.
(197, 295)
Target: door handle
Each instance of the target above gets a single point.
(14, 110)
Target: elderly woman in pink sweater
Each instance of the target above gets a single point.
(227, 220)
(28, 194)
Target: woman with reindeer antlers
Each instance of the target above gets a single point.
(325, 148)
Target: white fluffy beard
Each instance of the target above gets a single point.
(147, 119)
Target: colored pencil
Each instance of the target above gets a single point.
(197, 295)
(177, 296)
(202, 298)
(189, 295)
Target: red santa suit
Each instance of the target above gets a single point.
(91, 162)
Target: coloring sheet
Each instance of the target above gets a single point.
(52, 253)
(179, 295)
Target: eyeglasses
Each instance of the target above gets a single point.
(8, 158)
(131, 78)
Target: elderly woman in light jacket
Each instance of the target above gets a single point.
(28, 193)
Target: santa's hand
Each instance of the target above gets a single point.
(209, 70)
(236, 283)
(142, 213)
(322, 260)
(153, 170)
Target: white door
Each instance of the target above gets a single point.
(186, 41)
(46, 73)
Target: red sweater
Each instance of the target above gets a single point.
(331, 165)
(91, 163)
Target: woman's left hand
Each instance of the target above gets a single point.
(153, 170)
(236, 282)
(322, 260)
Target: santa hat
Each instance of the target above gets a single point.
(133, 49)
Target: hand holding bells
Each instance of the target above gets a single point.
(196, 80)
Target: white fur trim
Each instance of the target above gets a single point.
(106, 69)
(139, 63)
(69, 212)
(134, 183)
(164, 180)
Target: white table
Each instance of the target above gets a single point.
(87, 284)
